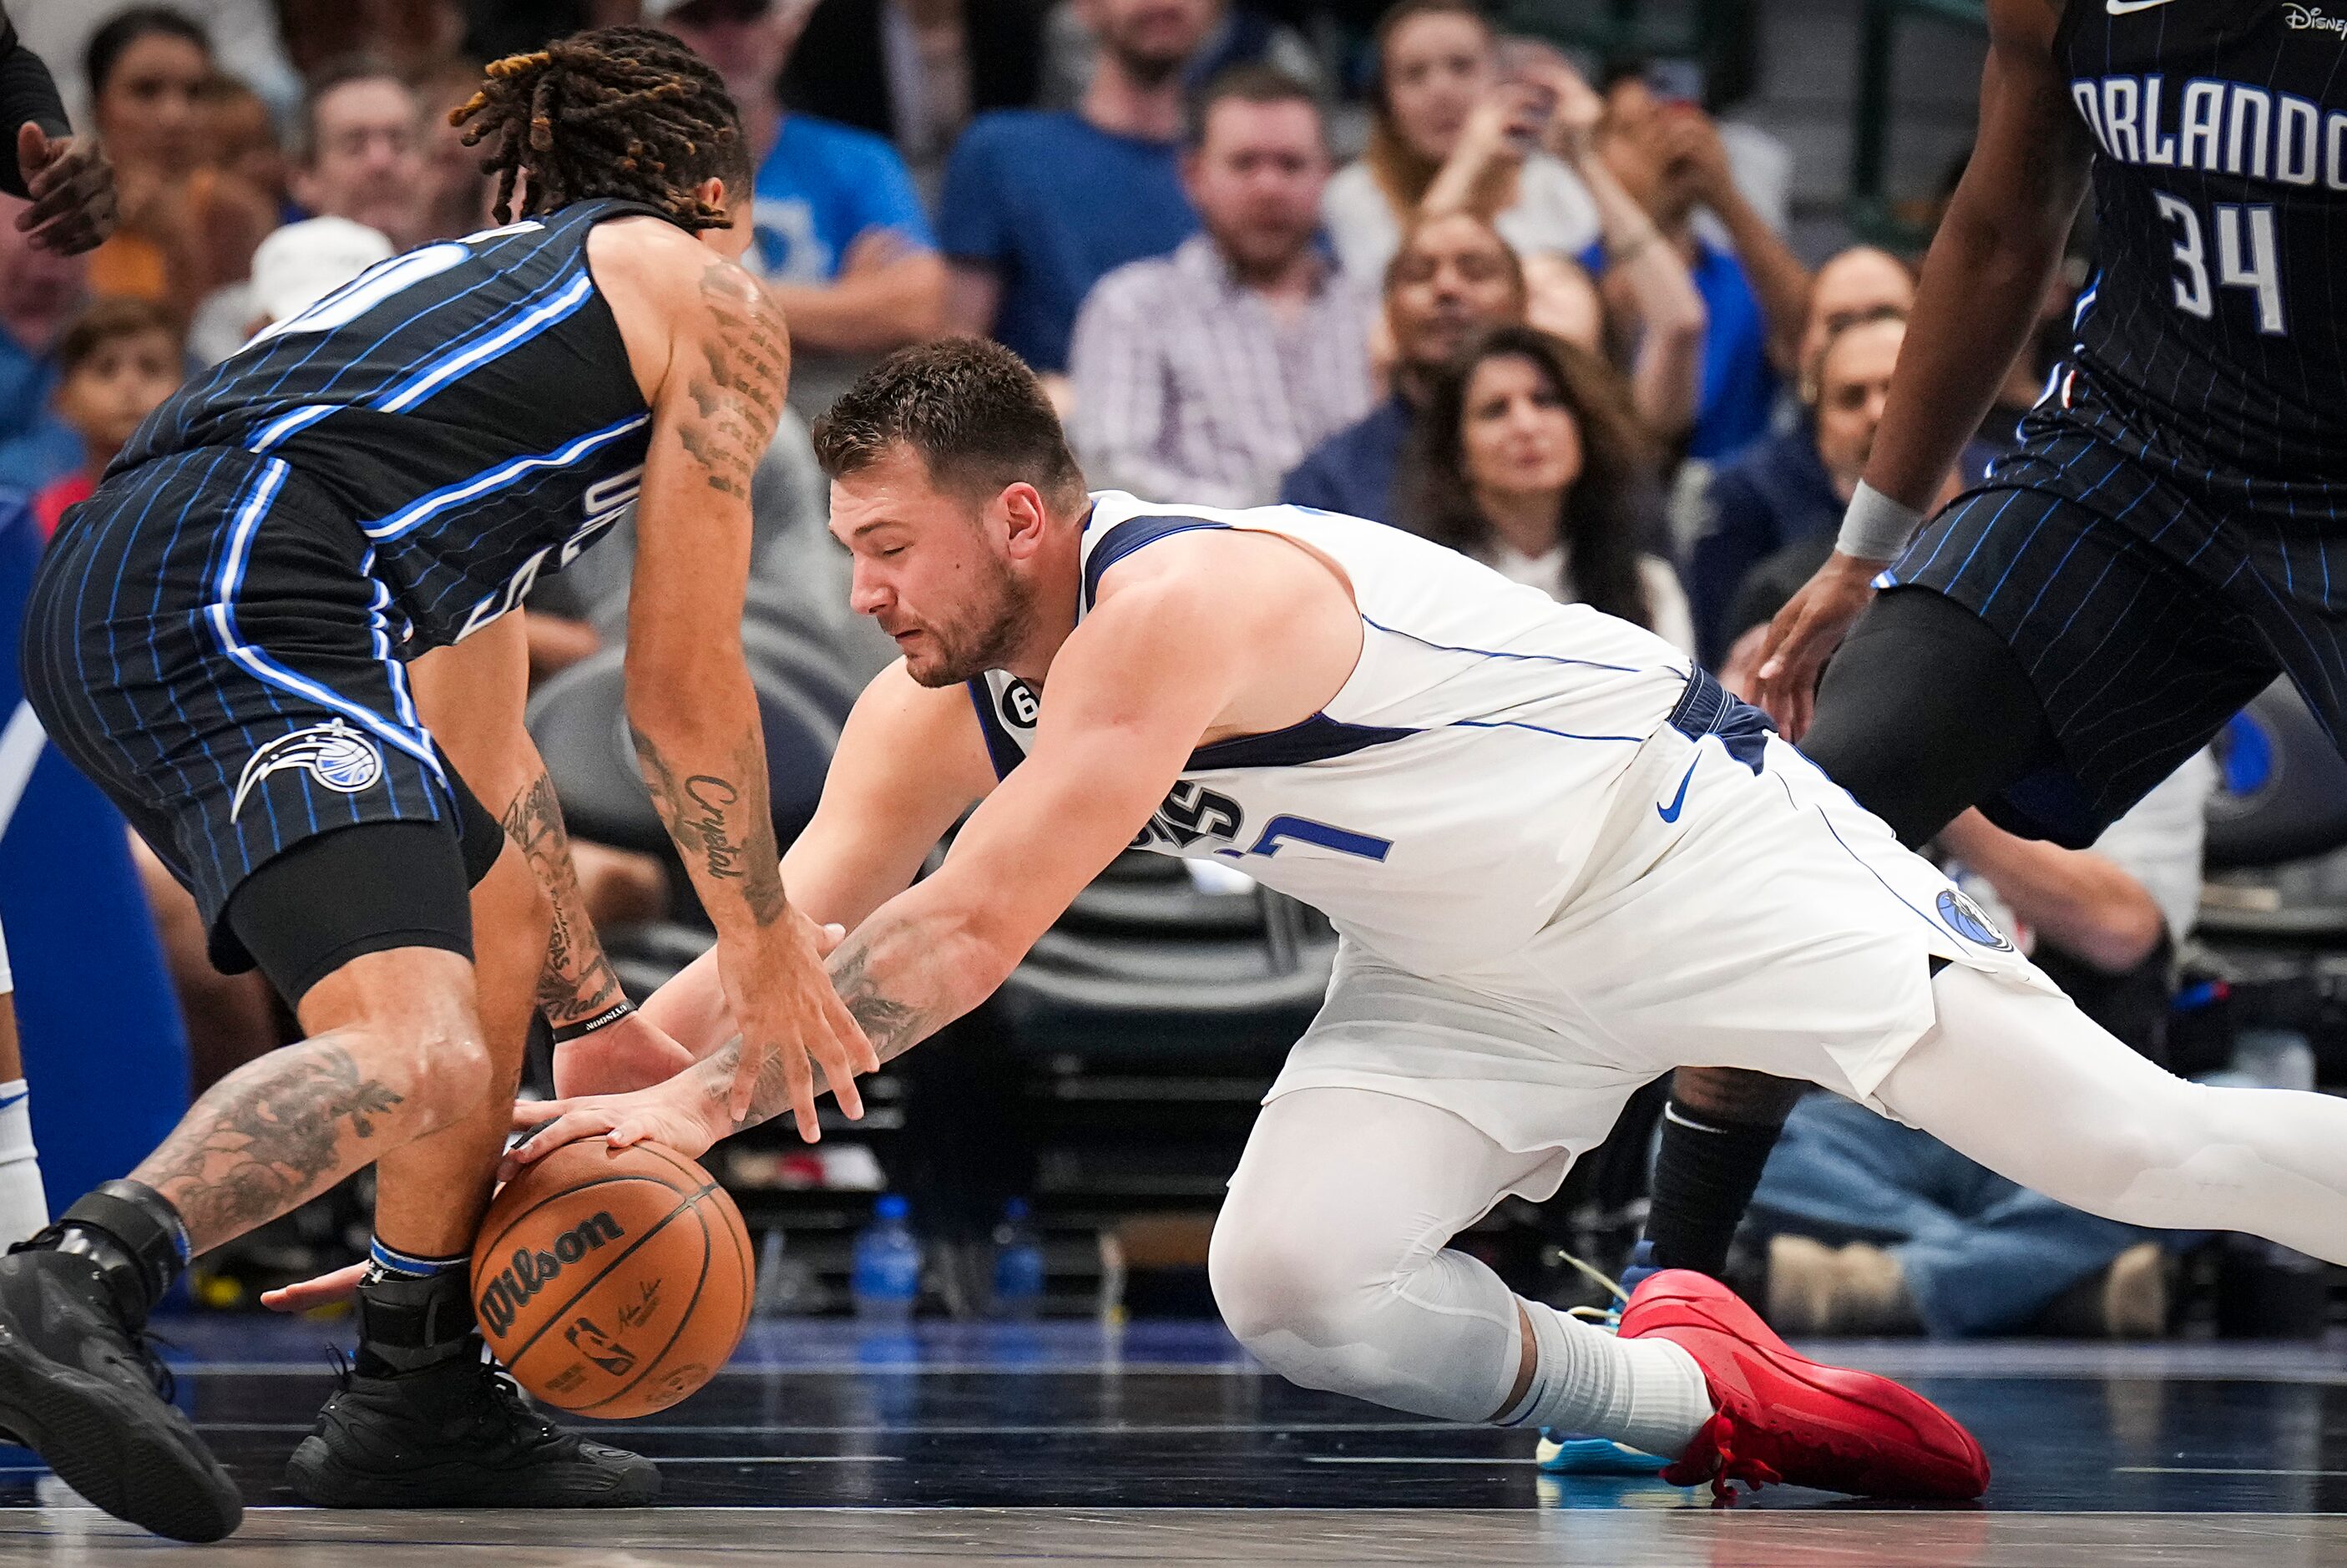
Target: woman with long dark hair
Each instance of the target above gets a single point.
(1530, 459)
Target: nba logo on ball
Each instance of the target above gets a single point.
(612, 1282)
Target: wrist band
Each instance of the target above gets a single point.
(1875, 527)
(565, 1033)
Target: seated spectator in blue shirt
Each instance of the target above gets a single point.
(1669, 157)
(1793, 487)
(841, 237)
(1452, 277)
(39, 292)
(1037, 208)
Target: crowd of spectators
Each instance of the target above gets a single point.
(1149, 199)
(1544, 313)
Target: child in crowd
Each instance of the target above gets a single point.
(116, 362)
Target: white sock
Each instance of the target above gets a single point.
(1646, 1393)
(24, 1206)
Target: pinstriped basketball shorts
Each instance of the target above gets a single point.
(203, 641)
(2148, 594)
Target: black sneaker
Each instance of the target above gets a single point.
(457, 1435)
(81, 1389)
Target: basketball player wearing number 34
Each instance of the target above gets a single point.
(2171, 534)
(1561, 862)
(221, 638)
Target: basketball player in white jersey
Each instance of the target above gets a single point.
(1561, 862)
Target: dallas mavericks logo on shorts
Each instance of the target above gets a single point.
(1966, 921)
(333, 753)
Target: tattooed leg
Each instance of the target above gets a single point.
(394, 1053)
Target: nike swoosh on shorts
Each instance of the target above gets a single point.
(1671, 813)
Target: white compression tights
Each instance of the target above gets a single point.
(1328, 1263)
(2029, 1086)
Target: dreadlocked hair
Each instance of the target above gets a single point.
(623, 112)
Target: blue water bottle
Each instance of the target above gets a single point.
(885, 1279)
(1018, 1264)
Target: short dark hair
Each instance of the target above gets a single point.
(111, 42)
(1254, 83)
(342, 73)
(625, 112)
(971, 407)
(110, 320)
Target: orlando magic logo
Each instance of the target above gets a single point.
(1966, 921)
(337, 756)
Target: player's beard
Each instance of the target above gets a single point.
(986, 638)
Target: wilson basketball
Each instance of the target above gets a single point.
(612, 1282)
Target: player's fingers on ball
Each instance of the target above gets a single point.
(567, 1128)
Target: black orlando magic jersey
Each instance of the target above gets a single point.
(469, 406)
(2220, 181)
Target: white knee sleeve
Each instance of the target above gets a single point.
(1440, 1342)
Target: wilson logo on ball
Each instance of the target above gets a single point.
(531, 1271)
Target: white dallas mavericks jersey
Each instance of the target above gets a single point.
(1443, 805)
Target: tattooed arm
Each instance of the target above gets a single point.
(878, 821)
(1131, 694)
(578, 981)
(472, 696)
(715, 369)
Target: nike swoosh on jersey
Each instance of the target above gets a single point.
(1679, 802)
(2129, 7)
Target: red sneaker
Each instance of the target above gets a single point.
(1784, 1418)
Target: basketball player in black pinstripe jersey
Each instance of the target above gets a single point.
(2171, 534)
(221, 638)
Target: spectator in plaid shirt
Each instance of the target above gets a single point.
(1210, 372)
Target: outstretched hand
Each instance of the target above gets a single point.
(677, 1115)
(72, 187)
(1804, 636)
(792, 1016)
